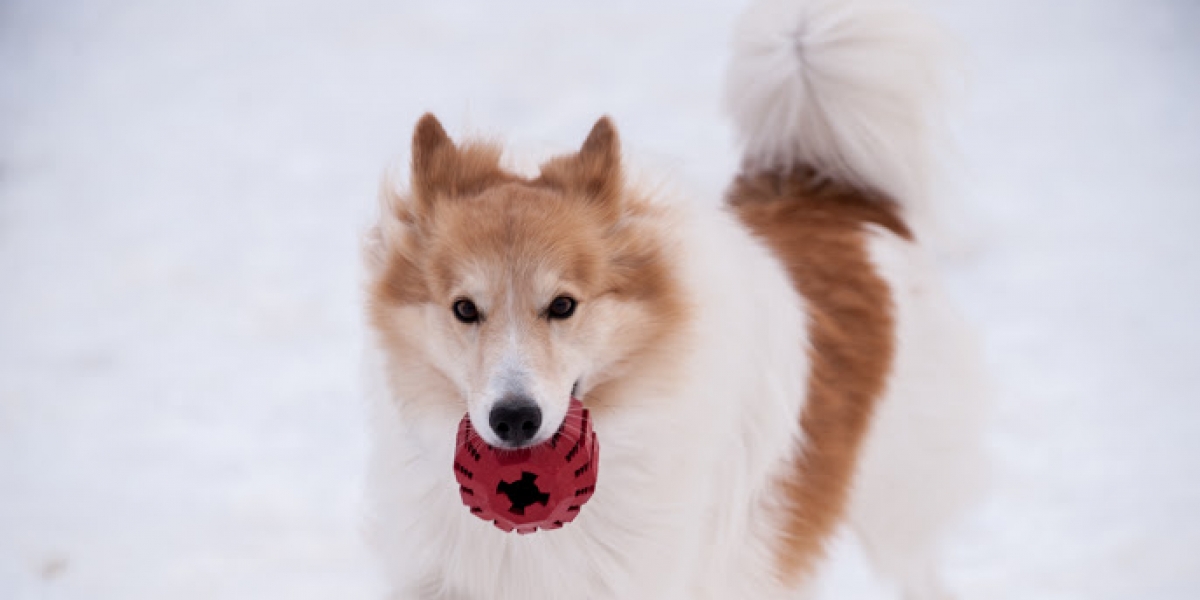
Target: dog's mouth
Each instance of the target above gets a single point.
(497, 431)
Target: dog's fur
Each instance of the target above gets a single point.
(760, 375)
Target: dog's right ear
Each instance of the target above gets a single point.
(440, 169)
(433, 160)
(430, 146)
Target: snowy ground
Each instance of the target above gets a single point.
(182, 185)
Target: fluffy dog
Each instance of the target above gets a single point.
(761, 375)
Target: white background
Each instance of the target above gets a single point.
(182, 185)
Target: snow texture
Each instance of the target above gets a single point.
(182, 187)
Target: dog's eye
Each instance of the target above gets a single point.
(465, 311)
(562, 308)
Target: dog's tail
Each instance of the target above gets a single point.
(842, 86)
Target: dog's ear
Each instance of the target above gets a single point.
(595, 171)
(440, 169)
(431, 146)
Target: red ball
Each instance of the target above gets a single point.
(524, 490)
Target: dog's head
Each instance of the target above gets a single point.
(504, 295)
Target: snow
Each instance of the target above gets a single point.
(182, 186)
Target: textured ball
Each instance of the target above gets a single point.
(543, 487)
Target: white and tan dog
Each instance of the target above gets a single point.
(761, 375)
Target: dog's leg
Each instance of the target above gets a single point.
(922, 465)
(912, 568)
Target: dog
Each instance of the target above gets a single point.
(763, 375)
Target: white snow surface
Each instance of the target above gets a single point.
(183, 184)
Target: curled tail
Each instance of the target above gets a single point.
(843, 86)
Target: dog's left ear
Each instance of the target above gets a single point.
(595, 171)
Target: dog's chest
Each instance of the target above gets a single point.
(634, 539)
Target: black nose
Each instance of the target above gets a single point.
(515, 420)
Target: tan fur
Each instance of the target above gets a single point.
(816, 227)
(511, 244)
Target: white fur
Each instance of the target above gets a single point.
(921, 465)
(846, 86)
(685, 508)
(681, 511)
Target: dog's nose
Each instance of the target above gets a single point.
(515, 420)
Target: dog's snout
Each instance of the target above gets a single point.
(515, 420)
